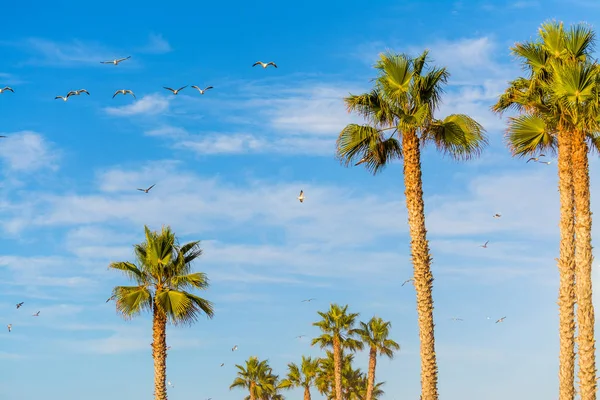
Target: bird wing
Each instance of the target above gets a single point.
(84, 91)
(301, 192)
(181, 88)
(168, 88)
(195, 87)
(151, 187)
(141, 190)
(58, 97)
(532, 158)
(487, 242)
(123, 59)
(133, 94)
(116, 93)
(273, 64)
(106, 62)
(208, 87)
(256, 63)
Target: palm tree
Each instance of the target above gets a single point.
(162, 279)
(325, 381)
(338, 330)
(559, 71)
(404, 100)
(257, 377)
(302, 376)
(374, 335)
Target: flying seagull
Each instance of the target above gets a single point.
(301, 196)
(300, 336)
(264, 65)
(9, 326)
(222, 364)
(124, 92)
(484, 245)
(78, 92)
(234, 348)
(497, 215)
(202, 90)
(307, 300)
(408, 280)
(20, 304)
(64, 98)
(536, 159)
(146, 190)
(6, 89)
(456, 319)
(501, 320)
(37, 314)
(170, 384)
(110, 298)
(116, 61)
(545, 162)
(175, 91)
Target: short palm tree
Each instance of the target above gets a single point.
(375, 336)
(403, 101)
(338, 330)
(257, 377)
(302, 376)
(162, 279)
(325, 381)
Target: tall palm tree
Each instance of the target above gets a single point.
(302, 376)
(559, 72)
(338, 330)
(325, 381)
(375, 335)
(403, 101)
(257, 377)
(162, 279)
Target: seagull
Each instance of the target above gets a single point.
(202, 90)
(222, 364)
(175, 91)
(37, 314)
(170, 384)
(65, 98)
(536, 159)
(545, 162)
(501, 319)
(264, 65)
(78, 92)
(484, 245)
(234, 348)
(6, 89)
(147, 190)
(300, 336)
(307, 300)
(116, 61)
(456, 319)
(20, 304)
(362, 160)
(9, 326)
(408, 280)
(497, 215)
(301, 196)
(124, 92)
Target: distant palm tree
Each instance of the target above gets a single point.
(302, 376)
(162, 275)
(256, 377)
(338, 330)
(375, 335)
(325, 381)
(403, 101)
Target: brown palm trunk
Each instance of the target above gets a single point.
(421, 259)
(583, 269)
(371, 376)
(307, 393)
(337, 365)
(252, 390)
(566, 270)
(159, 353)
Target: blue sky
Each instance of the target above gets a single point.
(228, 166)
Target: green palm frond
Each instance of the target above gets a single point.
(371, 107)
(429, 88)
(132, 300)
(580, 41)
(182, 307)
(196, 280)
(529, 135)
(458, 135)
(594, 142)
(395, 77)
(129, 269)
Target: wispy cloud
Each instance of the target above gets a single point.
(64, 54)
(28, 151)
(151, 104)
(9, 79)
(157, 44)
(524, 4)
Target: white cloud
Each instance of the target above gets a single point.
(157, 44)
(27, 151)
(150, 104)
(65, 54)
(9, 79)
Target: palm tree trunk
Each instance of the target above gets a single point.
(337, 364)
(307, 393)
(423, 279)
(252, 391)
(371, 376)
(583, 269)
(566, 270)
(159, 353)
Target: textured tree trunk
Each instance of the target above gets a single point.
(337, 364)
(566, 270)
(371, 376)
(252, 390)
(423, 279)
(307, 393)
(159, 354)
(583, 269)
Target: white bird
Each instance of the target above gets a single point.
(6, 89)
(170, 384)
(202, 90)
(301, 196)
(234, 348)
(124, 92)
(545, 162)
(264, 65)
(78, 92)
(408, 280)
(497, 215)
(37, 314)
(65, 98)
(484, 245)
(222, 364)
(300, 336)
(175, 91)
(9, 326)
(501, 319)
(536, 159)
(116, 61)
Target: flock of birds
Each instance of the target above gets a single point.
(19, 305)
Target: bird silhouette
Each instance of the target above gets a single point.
(20, 304)
(78, 92)
(6, 89)
(497, 215)
(124, 92)
(484, 245)
(116, 61)
(501, 320)
(202, 90)
(37, 314)
(234, 348)
(408, 280)
(147, 190)
(307, 300)
(301, 196)
(264, 65)
(175, 91)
